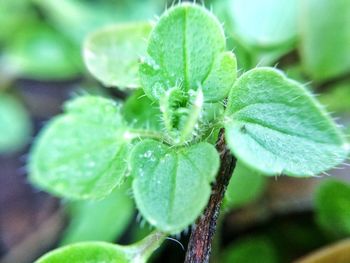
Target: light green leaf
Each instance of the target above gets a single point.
(246, 185)
(39, 52)
(15, 124)
(172, 185)
(187, 49)
(251, 250)
(102, 220)
(87, 252)
(77, 18)
(263, 24)
(276, 127)
(112, 54)
(325, 38)
(181, 113)
(332, 207)
(13, 15)
(98, 252)
(81, 153)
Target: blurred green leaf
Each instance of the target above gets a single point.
(275, 126)
(15, 124)
(332, 207)
(325, 38)
(14, 14)
(39, 52)
(81, 153)
(337, 98)
(113, 54)
(102, 220)
(263, 24)
(246, 185)
(77, 18)
(250, 250)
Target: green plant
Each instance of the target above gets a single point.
(273, 126)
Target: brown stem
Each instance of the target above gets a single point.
(199, 247)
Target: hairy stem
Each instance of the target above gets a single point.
(199, 246)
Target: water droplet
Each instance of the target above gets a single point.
(148, 154)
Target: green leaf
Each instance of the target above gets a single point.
(337, 98)
(246, 185)
(276, 127)
(102, 220)
(98, 252)
(332, 207)
(325, 37)
(81, 153)
(15, 124)
(142, 113)
(251, 250)
(87, 252)
(181, 113)
(77, 18)
(263, 24)
(187, 49)
(39, 52)
(112, 54)
(172, 185)
(13, 15)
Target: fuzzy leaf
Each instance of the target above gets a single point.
(187, 49)
(325, 38)
(112, 54)
(99, 220)
(15, 124)
(142, 113)
(81, 153)
(246, 185)
(172, 186)
(275, 126)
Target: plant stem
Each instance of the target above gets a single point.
(199, 246)
(149, 244)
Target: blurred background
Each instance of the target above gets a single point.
(268, 220)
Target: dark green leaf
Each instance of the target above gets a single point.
(250, 250)
(142, 113)
(246, 185)
(332, 205)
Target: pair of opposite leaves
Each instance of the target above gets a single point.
(273, 125)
